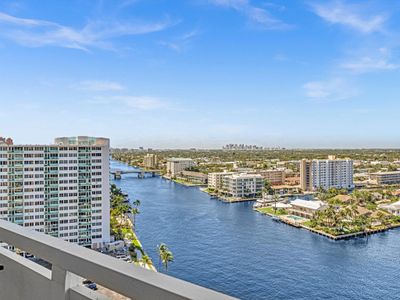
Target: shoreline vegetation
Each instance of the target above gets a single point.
(184, 182)
(123, 227)
(122, 223)
(346, 215)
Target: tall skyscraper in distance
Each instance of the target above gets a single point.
(61, 189)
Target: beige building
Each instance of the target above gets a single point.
(275, 177)
(326, 174)
(177, 165)
(306, 208)
(243, 185)
(216, 180)
(195, 177)
(150, 161)
(386, 177)
(305, 175)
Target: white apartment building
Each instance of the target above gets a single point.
(177, 165)
(328, 173)
(150, 161)
(243, 185)
(216, 179)
(60, 189)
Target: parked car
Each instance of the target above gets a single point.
(90, 284)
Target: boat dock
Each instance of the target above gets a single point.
(350, 235)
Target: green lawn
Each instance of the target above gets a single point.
(185, 182)
(270, 210)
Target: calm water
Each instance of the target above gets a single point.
(232, 249)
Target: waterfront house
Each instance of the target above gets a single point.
(306, 208)
(281, 205)
(393, 208)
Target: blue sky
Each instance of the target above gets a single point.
(202, 73)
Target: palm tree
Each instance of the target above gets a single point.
(134, 211)
(267, 188)
(276, 198)
(136, 203)
(165, 255)
(146, 261)
(132, 252)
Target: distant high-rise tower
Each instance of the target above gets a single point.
(150, 161)
(305, 175)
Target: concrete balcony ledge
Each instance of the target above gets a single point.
(23, 279)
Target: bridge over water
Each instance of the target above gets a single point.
(140, 173)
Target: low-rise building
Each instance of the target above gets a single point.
(177, 165)
(393, 208)
(386, 177)
(286, 189)
(275, 177)
(243, 185)
(150, 161)
(306, 208)
(195, 177)
(216, 179)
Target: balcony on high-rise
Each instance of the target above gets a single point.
(68, 265)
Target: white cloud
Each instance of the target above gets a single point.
(257, 15)
(99, 86)
(180, 43)
(330, 90)
(369, 63)
(39, 33)
(336, 12)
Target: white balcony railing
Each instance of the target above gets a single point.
(21, 278)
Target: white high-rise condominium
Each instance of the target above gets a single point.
(326, 173)
(60, 189)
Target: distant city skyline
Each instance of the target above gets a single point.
(202, 73)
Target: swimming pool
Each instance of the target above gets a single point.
(296, 218)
